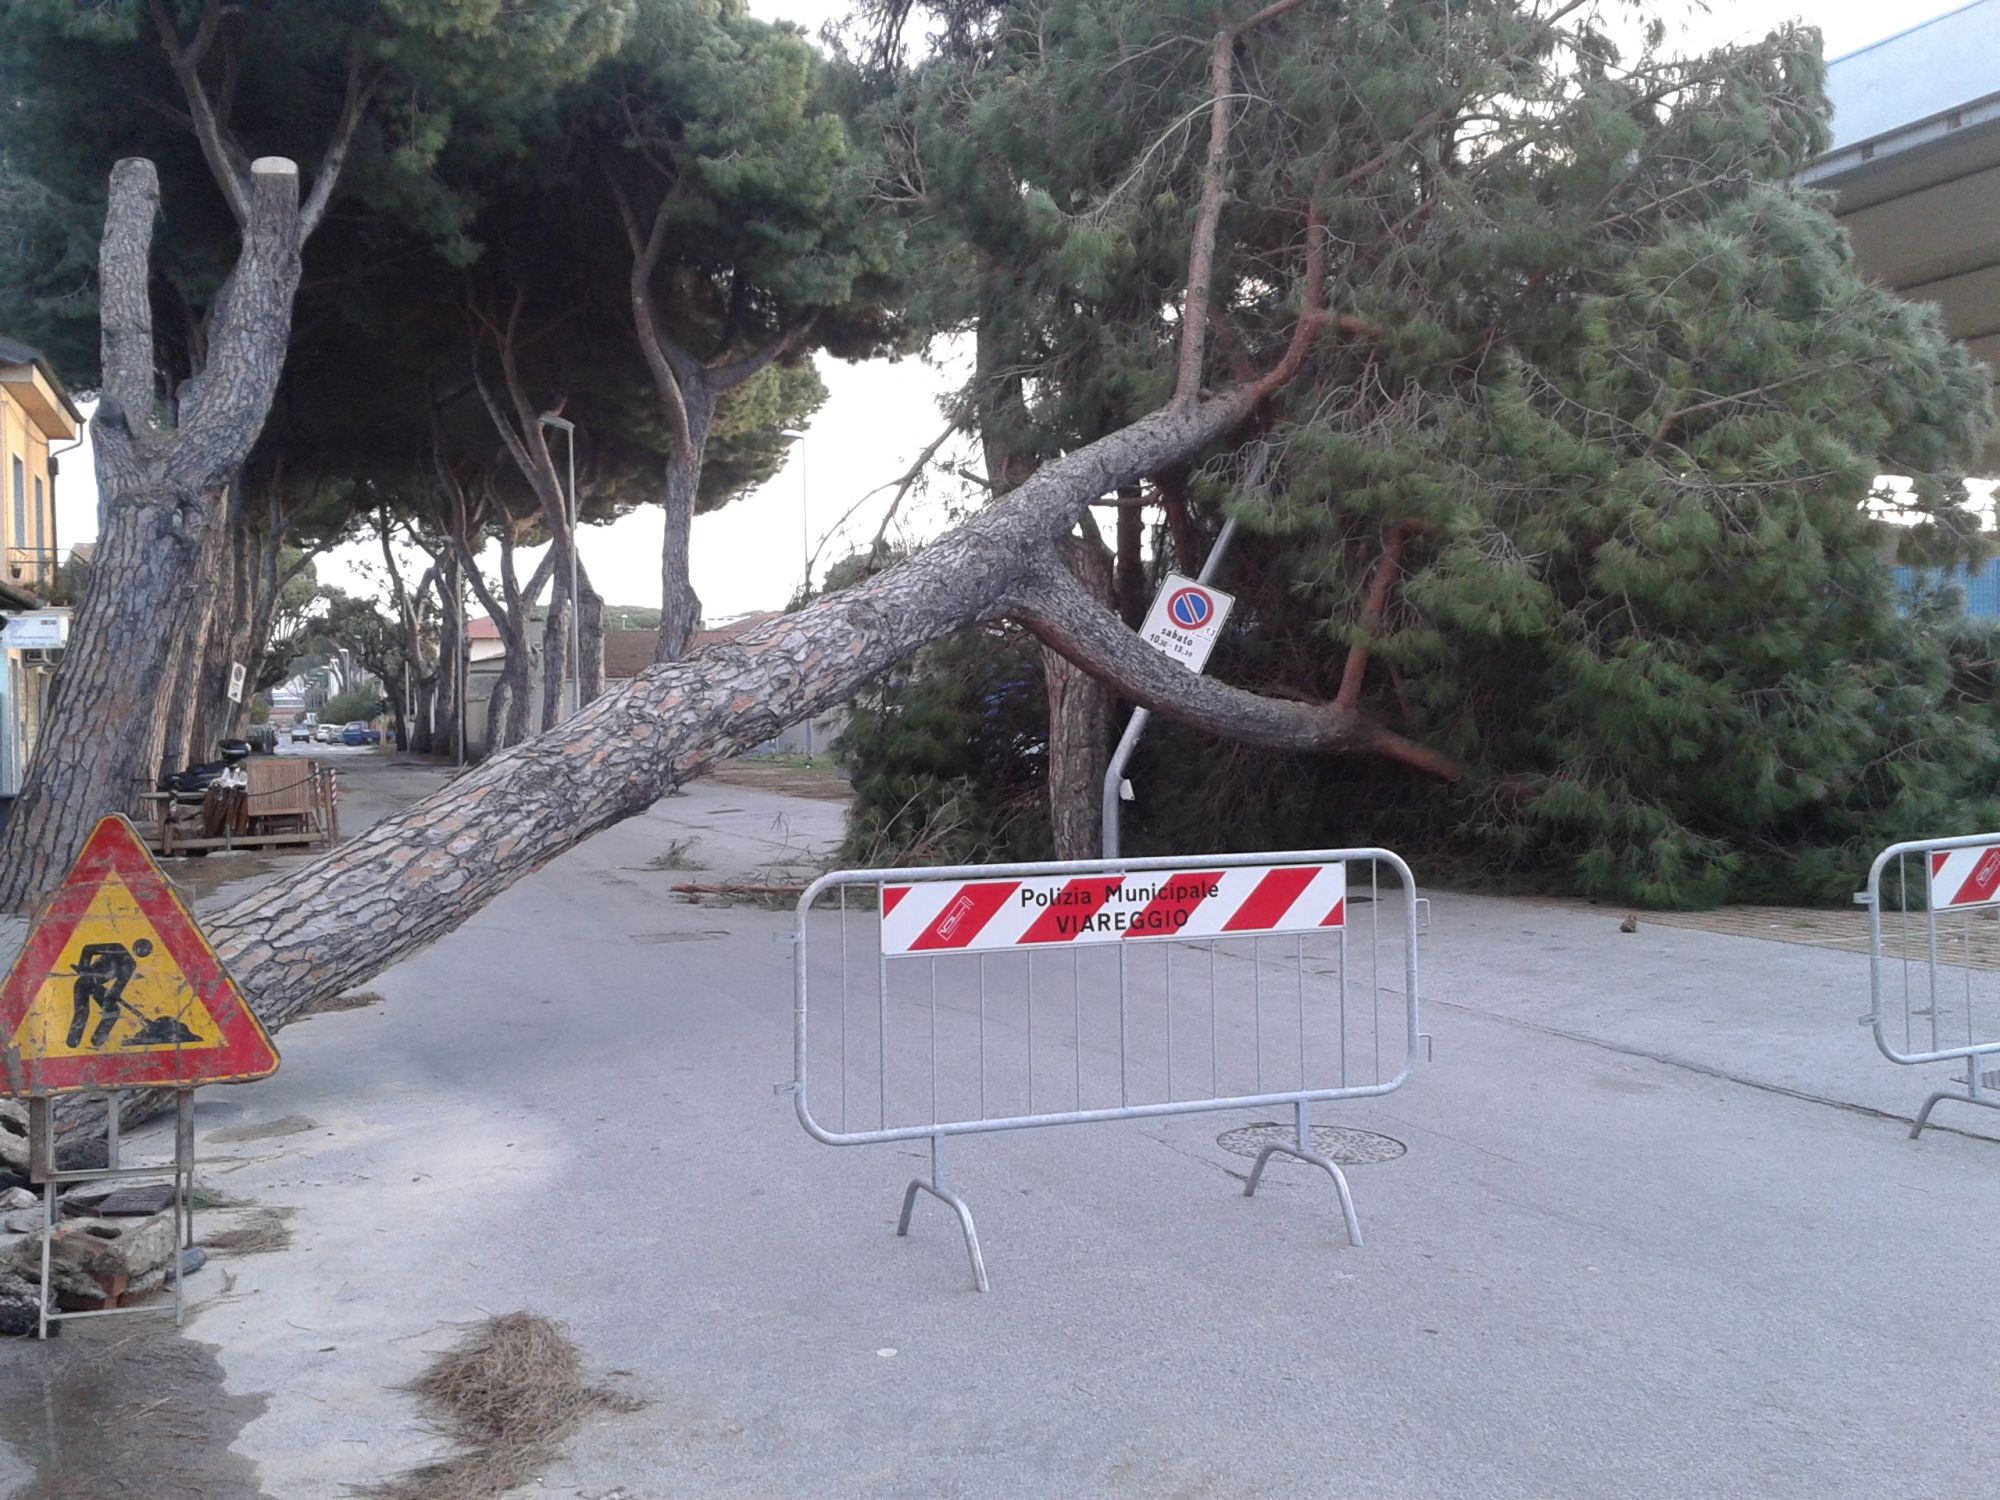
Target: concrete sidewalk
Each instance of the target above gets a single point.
(1621, 1256)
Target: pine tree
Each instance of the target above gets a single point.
(1578, 493)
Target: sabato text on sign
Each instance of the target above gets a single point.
(1186, 620)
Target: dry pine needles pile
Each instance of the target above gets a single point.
(509, 1394)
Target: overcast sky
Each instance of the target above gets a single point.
(750, 555)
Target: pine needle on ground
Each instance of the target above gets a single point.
(509, 1394)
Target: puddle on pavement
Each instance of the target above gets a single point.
(122, 1406)
(264, 1130)
(201, 878)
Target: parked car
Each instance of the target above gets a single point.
(262, 737)
(324, 734)
(302, 730)
(358, 733)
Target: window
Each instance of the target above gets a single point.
(20, 504)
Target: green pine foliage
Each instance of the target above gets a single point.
(948, 756)
(1621, 385)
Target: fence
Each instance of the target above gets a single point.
(953, 1001)
(1934, 960)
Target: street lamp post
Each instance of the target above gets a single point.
(568, 429)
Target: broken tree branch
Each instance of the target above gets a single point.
(360, 88)
(1208, 213)
(1388, 570)
(1064, 616)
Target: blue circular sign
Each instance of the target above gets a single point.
(1190, 608)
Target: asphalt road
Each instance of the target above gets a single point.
(1656, 1231)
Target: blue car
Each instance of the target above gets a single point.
(358, 733)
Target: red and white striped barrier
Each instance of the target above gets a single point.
(1965, 877)
(972, 916)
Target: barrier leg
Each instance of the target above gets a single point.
(1304, 1152)
(936, 1188)
(1924, 1114)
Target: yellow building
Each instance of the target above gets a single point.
(35, 411)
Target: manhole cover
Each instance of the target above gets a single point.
(1351, 1148)
(675, 937)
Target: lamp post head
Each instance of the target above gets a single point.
(550, 419)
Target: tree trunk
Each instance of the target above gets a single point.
(517, 679)
(1080, 713)
(555, 647)
(680, 609)
(410, 675)
(590, 635)
(181, 686)
(422, 730)
(266, 556)
(451, 650)
(187, 740)
(1131, 566)
(511, 708)
(158, 493)
(497, 704)
(399, 717)
(231, 627)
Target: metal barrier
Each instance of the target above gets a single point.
(1934, 956)
(962, 1000)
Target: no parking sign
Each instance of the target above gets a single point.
(1185, 620)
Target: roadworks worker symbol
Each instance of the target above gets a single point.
(117, 987)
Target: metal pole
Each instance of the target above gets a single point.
(1135, 727)
(575, 599)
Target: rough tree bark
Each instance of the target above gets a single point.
(1131, 566)
(182, 682)
(1080, 714)
(680, 607)
(590, 634)
(555, 642)
(228, 630)
(498, 703)
(445, 708)
(159, 491)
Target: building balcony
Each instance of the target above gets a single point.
(30, 567)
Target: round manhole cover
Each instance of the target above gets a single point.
(1351, 1148)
